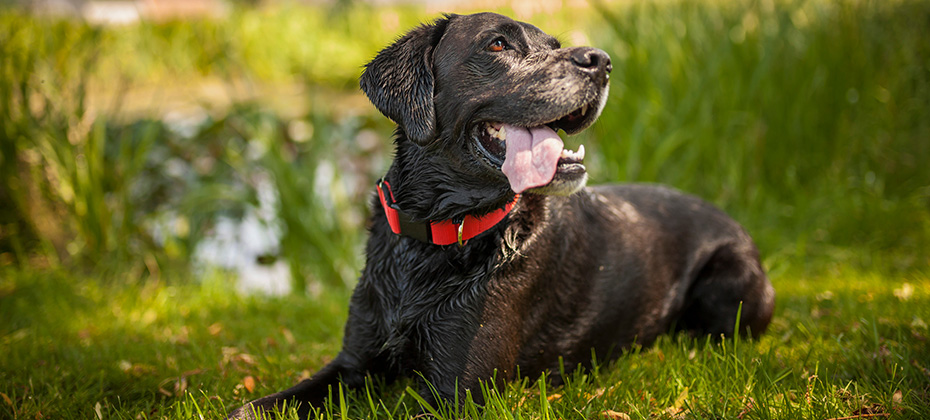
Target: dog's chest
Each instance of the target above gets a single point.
(427, 298)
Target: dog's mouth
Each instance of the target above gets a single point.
(534, 157)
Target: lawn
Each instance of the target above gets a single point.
(805, 120)
(843, 343)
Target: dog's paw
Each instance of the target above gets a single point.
(242, 413)
(271, 407)
(255, 410)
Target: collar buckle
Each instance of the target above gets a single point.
(461, 229)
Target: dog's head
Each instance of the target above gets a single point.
(489, 95)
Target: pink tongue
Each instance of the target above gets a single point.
(532, 156)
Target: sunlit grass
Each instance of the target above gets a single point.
(840, 342)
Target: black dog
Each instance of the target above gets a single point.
(487, 254)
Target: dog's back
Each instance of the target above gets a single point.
(621, 264)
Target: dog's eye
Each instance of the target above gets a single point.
(497, 45)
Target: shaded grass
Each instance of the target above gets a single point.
(840, 343)
(73, 342)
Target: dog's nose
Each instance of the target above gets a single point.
(591, 59)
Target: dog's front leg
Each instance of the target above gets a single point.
(308, 393)
(462, 359)
(360, 356)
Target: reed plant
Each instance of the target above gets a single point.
(801, 118)
(63, 170)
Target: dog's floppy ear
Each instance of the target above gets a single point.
(399, 81)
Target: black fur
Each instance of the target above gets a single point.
(563, 274)
(403, 88)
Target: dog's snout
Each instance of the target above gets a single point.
(591, 59)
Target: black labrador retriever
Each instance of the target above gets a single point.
(488, 257)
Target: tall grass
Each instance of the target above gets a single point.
(138, 195)
(62, 148)
(805, 119)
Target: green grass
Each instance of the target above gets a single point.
(841, 342)
(800, 118)
(805, 120)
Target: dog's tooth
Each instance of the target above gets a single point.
(502, 133)
(565, 154)
(580, 153)
(584, 109)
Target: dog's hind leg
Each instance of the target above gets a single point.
(731, 283)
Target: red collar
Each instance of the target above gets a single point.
(443, 232)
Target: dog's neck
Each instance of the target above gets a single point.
(424, 189)
(438, 232)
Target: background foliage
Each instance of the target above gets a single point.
(805, 120)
